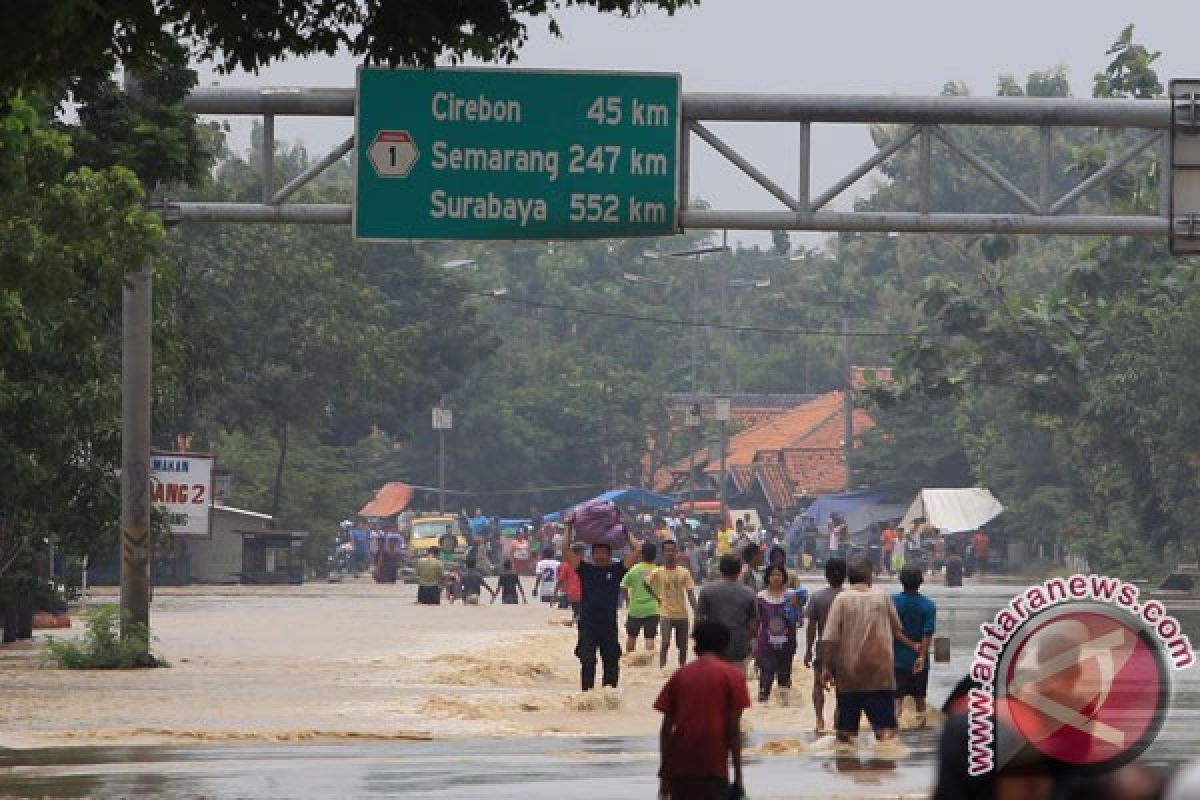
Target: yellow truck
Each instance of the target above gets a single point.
(427, 530)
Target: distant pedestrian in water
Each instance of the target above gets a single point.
(818, 614)
(699, 739)
(472, 584)
(753, 559)
(569, 584)
(431, 577)
(954, 568)
(387, 563)
(509, 585)
(545, 585)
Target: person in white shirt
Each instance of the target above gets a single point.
(547, 576)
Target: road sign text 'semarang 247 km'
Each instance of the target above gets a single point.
(515, 154)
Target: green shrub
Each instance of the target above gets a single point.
(102, 647)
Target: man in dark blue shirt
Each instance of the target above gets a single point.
(601, 582)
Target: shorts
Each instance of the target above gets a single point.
(429, 595)
(549, 598)
(471, 600)
(648, 625)
(909, 684)
(879, 706)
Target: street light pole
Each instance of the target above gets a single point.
(722, 414)
(692, 421)
(441, 470)
(695, 322)
(695, 253)
(443, 420)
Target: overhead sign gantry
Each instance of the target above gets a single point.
(515, 154)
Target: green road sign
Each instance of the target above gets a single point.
(515, 154)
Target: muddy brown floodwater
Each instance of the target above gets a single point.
(334, 690)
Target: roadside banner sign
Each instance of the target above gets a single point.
(181, 483)
(462, 154)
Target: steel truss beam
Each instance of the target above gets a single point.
(925, 118)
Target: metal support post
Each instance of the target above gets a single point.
(268, 158)
(1047, 134)
(804, 178)
(923, 168)
(136, 368)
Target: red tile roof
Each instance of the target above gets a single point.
(805, 442)
(773, 479)
(391, 499)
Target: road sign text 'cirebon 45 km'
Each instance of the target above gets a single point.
(515, 154)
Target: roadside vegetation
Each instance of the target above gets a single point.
(103, 647)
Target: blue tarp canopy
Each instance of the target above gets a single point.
(622, 497)
(848, 504)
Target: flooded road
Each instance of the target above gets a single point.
(514, 768)
(379, 698)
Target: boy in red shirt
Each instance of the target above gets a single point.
(697, 738)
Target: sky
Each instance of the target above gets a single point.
(797, 46)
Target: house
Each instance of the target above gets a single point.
(218, 558)
(780, 462)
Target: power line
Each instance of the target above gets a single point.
(489, 492)
(682, 323)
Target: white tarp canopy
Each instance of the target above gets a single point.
(953, 510)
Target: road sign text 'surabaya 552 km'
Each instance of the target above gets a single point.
(515, 154)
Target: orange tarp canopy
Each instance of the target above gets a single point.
(391, 499)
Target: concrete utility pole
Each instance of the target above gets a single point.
(135, 453)
(721, 412)
(847, 388)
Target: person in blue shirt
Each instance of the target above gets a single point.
(918, 615)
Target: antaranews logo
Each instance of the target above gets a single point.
(1076, 669)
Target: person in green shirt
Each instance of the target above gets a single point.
(431, 575)
(642, 600)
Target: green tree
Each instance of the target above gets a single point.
(89, 40)
(66, 239)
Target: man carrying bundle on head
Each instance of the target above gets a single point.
(600, 579)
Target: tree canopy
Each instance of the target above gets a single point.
(78, 39)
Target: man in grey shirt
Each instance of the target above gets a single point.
(733, 605)
(817, 612)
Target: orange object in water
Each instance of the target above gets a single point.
(43, 619)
